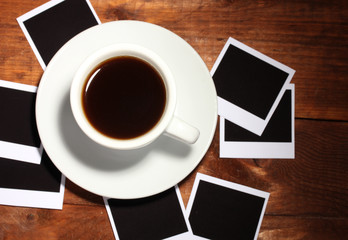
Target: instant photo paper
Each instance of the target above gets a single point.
(48, 27)
(219, 209)
(249, 85)
(31, 185)
(161, 216)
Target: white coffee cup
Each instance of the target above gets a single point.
(168, 124)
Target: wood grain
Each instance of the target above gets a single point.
(309, 194)
(295, 228)
(75, 222)
(308, 36)
(315, 183)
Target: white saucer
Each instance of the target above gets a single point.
(126, 174)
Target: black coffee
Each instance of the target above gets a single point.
(124, 97)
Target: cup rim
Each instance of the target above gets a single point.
(114, 50)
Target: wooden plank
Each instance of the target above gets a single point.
(74, 222)
(79, 196)
(17, 61)
(296, 228)
(309, 37)
(91, 222)
(314, 183)
(311, 190)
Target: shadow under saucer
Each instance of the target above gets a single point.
(99, 157)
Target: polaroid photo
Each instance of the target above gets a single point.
(19, 138)
(249, 85)
(220, 209)
(161, 216)
(31, 185)
(277, 140)
(49, 26)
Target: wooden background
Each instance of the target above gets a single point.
(308, 194)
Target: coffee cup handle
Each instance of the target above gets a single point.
(182, 131)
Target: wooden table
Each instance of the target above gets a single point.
(308, 194)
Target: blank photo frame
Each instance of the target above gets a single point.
(31, 185)
(31, 180)
(220, 209)
(249, 85)
(277, 140)
(19, 138)
(161, 216)
(49, 26)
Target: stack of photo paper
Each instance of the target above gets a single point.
(27, 176)
(255, 104)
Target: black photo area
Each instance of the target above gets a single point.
(155, 217)
(17, 121)
(278, 129)
(29, 176)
